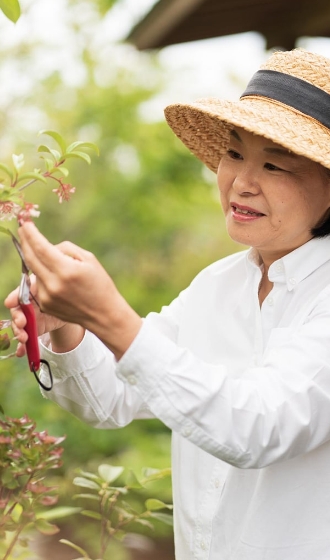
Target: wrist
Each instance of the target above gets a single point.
(66, 338)
(117, 327)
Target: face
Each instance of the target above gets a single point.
(271, 197)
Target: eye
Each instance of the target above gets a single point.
(233, 154)
(272, 167)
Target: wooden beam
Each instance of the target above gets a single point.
(160, 20)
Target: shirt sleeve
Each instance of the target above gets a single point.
(85, 382)
(270, 413)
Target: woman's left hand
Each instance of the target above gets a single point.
(73, 286)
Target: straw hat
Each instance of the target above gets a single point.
(287, 101)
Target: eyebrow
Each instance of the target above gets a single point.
(276, 150)
(281, 152)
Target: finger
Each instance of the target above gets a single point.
(19, 334)
(41, 256)
(20, 350)
(18, 318)
(71, 250)
(12, 299)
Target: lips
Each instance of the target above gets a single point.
(240, 210)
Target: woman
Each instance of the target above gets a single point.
(238, 366)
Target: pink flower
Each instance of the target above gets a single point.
(8, 210)
(28, 211)
(64, 191)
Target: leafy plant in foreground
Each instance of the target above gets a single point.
(26, 456)
(27, 503)
(112, 508)
(14, 180)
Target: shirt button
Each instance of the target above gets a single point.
(186, 432)
(279, 267)
(216, 483)
(270, 301)
(131, 379)
(293, 281)
(203, 545)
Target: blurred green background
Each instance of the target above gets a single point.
(145, 207)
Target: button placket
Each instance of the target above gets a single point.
(207, 509)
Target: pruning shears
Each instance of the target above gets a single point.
(24, 298)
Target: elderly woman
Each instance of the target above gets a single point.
(238, 366)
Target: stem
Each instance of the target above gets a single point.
(45, 174)
(106, 512)
(28, 183)
(13, 542)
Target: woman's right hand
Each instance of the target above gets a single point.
(64, 336)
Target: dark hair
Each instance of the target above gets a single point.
(323, 229)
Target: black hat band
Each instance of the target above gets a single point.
(291, 91)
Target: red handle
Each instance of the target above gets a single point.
(32, 346)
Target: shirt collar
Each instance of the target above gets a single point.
(297, 265)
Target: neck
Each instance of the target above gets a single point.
(265, 285)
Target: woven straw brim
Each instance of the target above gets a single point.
(204, 127)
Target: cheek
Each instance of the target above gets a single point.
(223, 183)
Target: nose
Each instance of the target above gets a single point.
(245, 181)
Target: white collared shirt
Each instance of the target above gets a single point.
(246, 393)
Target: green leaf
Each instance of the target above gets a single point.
(75, 547)
(86, 474)
(92, 514)
(90, 145)
(46, 528)
(11, 9)
(154, 504)
(62, 170)
(80, 155)
(44, 148)
(16, 513)
(86, 496)
(109, 473)
(124, 513)
(5, 230)
(55, 153)
(31, 175)
(128, 508)
(49, 163)
(164, 517)
(7, 170)
(11, 197)
(145, 523)
(156, 474)
(56, 136)
(85, 483)
(58, 513)
(4, 342)
(132, 481)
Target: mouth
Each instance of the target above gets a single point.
(245, 211)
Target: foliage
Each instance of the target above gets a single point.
(11, 9)
(112, 509)
(26, 456)
(15, 181)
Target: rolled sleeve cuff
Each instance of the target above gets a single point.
(85, 356)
